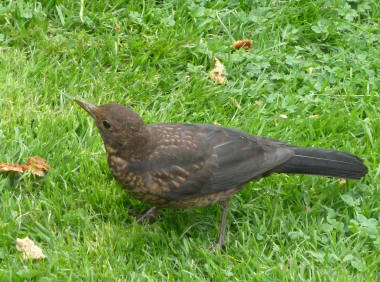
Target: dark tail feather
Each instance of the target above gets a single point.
(323, 162)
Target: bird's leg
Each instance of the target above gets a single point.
(222, 229)
(147, 216)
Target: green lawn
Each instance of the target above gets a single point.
(317, 62)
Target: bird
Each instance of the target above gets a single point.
(182, 165)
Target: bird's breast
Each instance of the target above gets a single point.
(133, 181)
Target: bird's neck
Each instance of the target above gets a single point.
(134, 148)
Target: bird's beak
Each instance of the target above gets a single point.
(88, 107)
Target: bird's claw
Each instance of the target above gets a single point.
(216, 246)
(148, 217)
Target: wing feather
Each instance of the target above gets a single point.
(205, 159)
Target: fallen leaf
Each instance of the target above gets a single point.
(28, 249)
(246, 44)
(342, 182)
(217, 73)
(117, 27)
(35, 165)
(283, 116)
(4, 167)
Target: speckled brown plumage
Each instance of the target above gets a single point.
(193, 165)
(170, 172)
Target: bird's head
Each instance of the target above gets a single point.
(118, 125)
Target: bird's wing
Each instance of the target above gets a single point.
(196, 160)
(242, 157)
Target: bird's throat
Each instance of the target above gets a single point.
(131, 149)
(110, 150)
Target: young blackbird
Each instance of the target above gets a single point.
(174, 165)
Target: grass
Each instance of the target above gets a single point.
(315, 61)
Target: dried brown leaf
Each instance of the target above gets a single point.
(246, 44)
(5, 167)
(217, 74)
(117, 27)
(35, 165)
(28, 249)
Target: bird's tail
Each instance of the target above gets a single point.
(323, 162)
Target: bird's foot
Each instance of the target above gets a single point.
(132, 212)
(148, 216)
(215, 247)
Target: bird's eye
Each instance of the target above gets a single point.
(106, 124)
